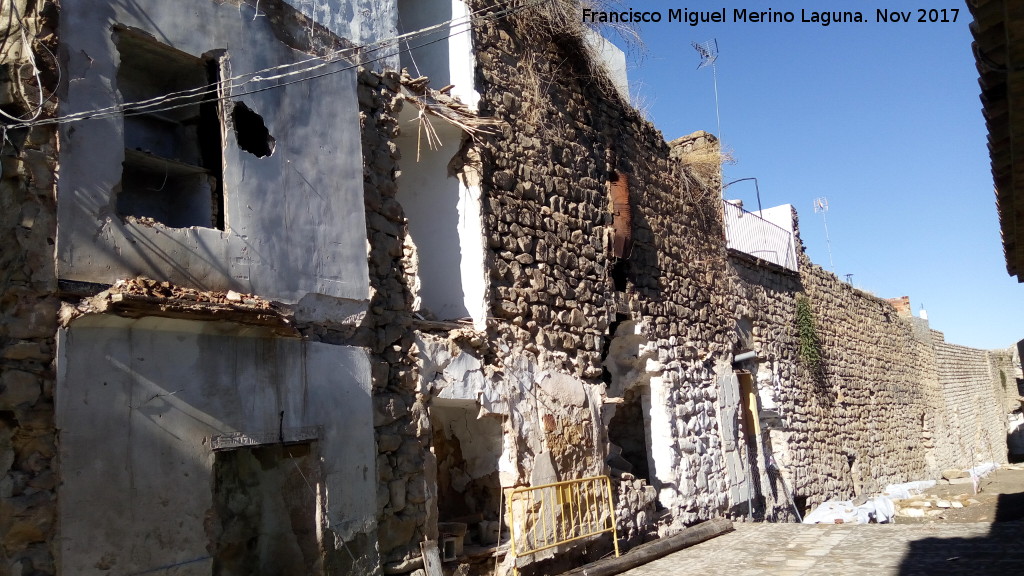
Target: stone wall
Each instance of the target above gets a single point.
(401, 422)
(28, 302)
(558, 291)
(1007, 375)
(975, 408)
(889, 402)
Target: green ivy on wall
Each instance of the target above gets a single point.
(810, 343)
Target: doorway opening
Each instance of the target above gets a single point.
(467, 450)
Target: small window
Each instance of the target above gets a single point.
(172, 164)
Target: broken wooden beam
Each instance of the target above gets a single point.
(651, 551)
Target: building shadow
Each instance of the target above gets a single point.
(999, 553)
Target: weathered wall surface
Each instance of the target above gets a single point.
(1007, 373)
(28, 306)
(289, 230)
(155, 395)
(400, 419)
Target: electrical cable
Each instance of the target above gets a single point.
(155, 104)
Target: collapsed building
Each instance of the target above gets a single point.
(271, 305)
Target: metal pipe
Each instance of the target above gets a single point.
(749, 355)
(757, 189)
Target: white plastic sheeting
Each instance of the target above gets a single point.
(982, 470)
(878, 509)
(908, 489)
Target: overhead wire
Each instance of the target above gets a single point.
(158, 103)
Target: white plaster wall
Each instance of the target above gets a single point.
(360, 21)
(781, 216)
(444, 223)
(446, 62)
(295, 221)
(664, 456)
(137, 402)
(614, 61)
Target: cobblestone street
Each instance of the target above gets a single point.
(833, 550)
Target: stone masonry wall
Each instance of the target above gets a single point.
(548, 221)
(28, 302)
(975, 410)
(557, 355)
(865, 424)
(892, 402)
(1006, 372)
(402, 425)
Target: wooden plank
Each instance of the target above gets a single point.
(431, 558)
(651, 551)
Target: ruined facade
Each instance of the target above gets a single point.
(320, 312)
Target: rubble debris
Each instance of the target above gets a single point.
(138, 297)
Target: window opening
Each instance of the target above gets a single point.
(172, 165)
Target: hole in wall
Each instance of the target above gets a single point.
(628, 431)
(620, 271)
(800, 503)
(250, 131)
(467, 450)
(606, 375)
(265, 501)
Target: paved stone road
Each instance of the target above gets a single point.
(979, 549)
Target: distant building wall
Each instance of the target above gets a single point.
(975, 408)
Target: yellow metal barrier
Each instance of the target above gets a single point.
(553, 514)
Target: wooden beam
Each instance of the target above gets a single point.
(651, 551)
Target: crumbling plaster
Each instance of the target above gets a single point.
(360, 21)
(154, 395)
(289, 231)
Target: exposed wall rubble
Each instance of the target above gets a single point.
(557, 289)
(28, 283)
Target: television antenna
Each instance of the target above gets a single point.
(821, 206)
(708, 52)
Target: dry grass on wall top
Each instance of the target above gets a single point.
(559, 24)
(700, 183)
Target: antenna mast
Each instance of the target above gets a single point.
(708, 52)
(821, 205)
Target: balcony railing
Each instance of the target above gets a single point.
(749, 233)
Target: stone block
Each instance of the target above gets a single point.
(18, 387)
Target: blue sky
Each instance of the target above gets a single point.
(883, 119)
